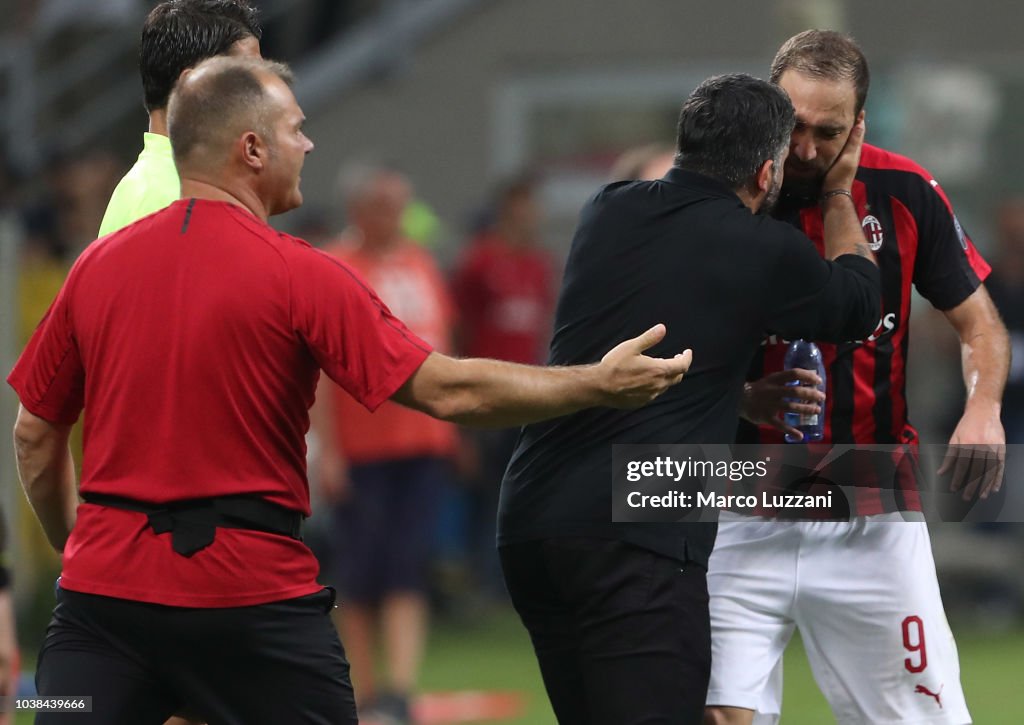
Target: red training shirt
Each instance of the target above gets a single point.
(194, 340)
(410, 283)
(505, 296)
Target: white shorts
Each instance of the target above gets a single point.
(866, 600)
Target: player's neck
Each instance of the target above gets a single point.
(158, 122)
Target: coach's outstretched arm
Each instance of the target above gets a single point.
(492, 393)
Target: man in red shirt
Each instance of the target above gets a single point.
(504, 286)
(193, 340)
(385, 472)
(504, 283)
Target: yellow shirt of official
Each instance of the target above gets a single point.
(150, 185)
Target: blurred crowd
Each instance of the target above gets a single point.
(304, 23)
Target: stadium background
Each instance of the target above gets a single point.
(460, 93)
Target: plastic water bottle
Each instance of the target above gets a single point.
(805, 355)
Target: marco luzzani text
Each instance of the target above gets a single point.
(666, 467)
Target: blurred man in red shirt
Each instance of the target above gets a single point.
(385, 472)
(505, 286)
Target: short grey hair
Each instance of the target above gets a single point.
(217, 99)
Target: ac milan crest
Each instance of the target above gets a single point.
(873, 229)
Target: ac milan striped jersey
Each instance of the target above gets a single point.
(918, 242)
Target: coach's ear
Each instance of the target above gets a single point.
(764, 176)
(754, 190)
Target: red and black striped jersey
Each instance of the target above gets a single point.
(918, 242)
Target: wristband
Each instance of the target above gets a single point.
(836, 192)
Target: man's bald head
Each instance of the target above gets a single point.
(217, 102)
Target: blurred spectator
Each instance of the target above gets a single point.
(10, 202)
(1006, 285)
(421, 224)
(59, 222)
(300, 27)
(54, 16)
(385, 472)
(83, 185)
(65, 213)
(504, 281)
(8, 642)
(504, 286)
(645, 162)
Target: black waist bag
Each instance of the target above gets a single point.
(193, 523)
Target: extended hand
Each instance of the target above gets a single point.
(631, 379)
(765, 401)
(976, 455)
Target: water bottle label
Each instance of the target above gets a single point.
(808, 419)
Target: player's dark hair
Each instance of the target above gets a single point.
(827, 55)
(730, 125)
(229, 99)
(178, 34)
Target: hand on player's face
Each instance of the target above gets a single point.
(825, 115)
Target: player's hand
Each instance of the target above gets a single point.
(844, 168)
(767, 400)
(631, 379)
(976, 455)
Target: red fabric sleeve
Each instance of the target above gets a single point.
(48, 377)
(351, 334)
